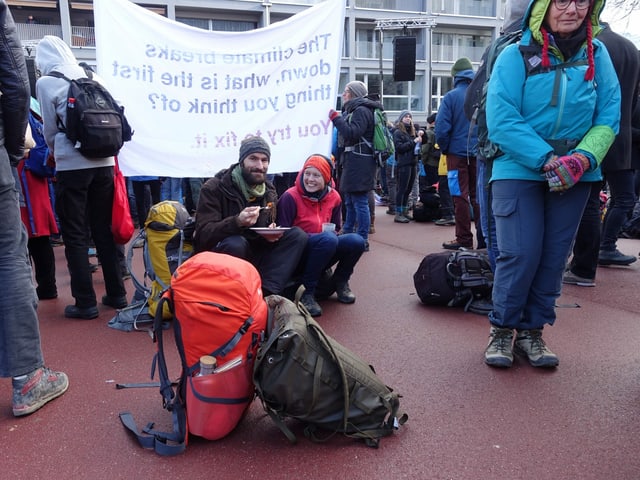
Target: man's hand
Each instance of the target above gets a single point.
(333, 115)
(248, 216)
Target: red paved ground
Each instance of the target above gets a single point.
(467, 421)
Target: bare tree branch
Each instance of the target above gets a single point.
(626, 6)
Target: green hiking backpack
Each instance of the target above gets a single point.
(383, 146)
(302, 373)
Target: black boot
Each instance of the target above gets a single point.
(344, 293)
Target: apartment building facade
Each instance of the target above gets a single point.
(445, 30)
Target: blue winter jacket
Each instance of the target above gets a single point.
(521, 119)
(454, 133)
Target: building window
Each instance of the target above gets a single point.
(448, 47)
(368, 42)
(397, 96)
(403, 5)
(218, 25)
(475, 8)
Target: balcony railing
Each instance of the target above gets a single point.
(30, 34)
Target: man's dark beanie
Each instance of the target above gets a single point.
(253, 144)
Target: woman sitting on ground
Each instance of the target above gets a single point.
(311, 202)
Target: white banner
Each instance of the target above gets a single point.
(192, 95)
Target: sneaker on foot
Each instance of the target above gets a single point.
(445, 222)
(499, 351)
(529, 343)
(309, 302)
(37, 388)
(455, 245)
(615, 257)
(571, 278)
(399, 218)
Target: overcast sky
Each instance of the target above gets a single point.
(628, 25)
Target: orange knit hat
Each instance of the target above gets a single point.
(322, 163)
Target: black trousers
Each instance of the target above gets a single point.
(44, 265)
(275, 261)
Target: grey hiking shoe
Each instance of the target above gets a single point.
(499, 352)
(529, 343)
(39, 387)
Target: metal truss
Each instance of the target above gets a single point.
(427, 21)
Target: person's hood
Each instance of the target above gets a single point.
(464, 75)
(53, 54)
(534, 17)
(513, 15)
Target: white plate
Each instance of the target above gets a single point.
(270, 232)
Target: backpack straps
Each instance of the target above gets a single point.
(164, 443)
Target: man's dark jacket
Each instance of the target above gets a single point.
(626, 62)
(357, 167)
(14, 86)
(219, 204)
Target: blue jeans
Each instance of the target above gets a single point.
(487, 223)
(171, 189)
(20, 351)
(324, 250)
(357, 208)
(535, 229)
(622, 193)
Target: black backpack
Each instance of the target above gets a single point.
(96, 124)
(457, 279)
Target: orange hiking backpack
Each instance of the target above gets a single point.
(218, 310)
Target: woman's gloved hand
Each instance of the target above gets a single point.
(564, 172)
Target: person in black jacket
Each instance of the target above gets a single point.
(357, 164)
(33, 384)
(405, 139)
(592, 247)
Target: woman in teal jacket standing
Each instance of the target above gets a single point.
(553, 109)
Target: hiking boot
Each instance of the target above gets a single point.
(571, 278)
(529, 343)
(344, 293)
(455, 245)
(445, 222)
(399, 218)
(614, 257)
(309, 302)
(37, 388)
(499, 352)
(86, 313)
(115, 302)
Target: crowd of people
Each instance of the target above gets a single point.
(535, 207)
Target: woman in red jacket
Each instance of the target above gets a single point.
(309, 204)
